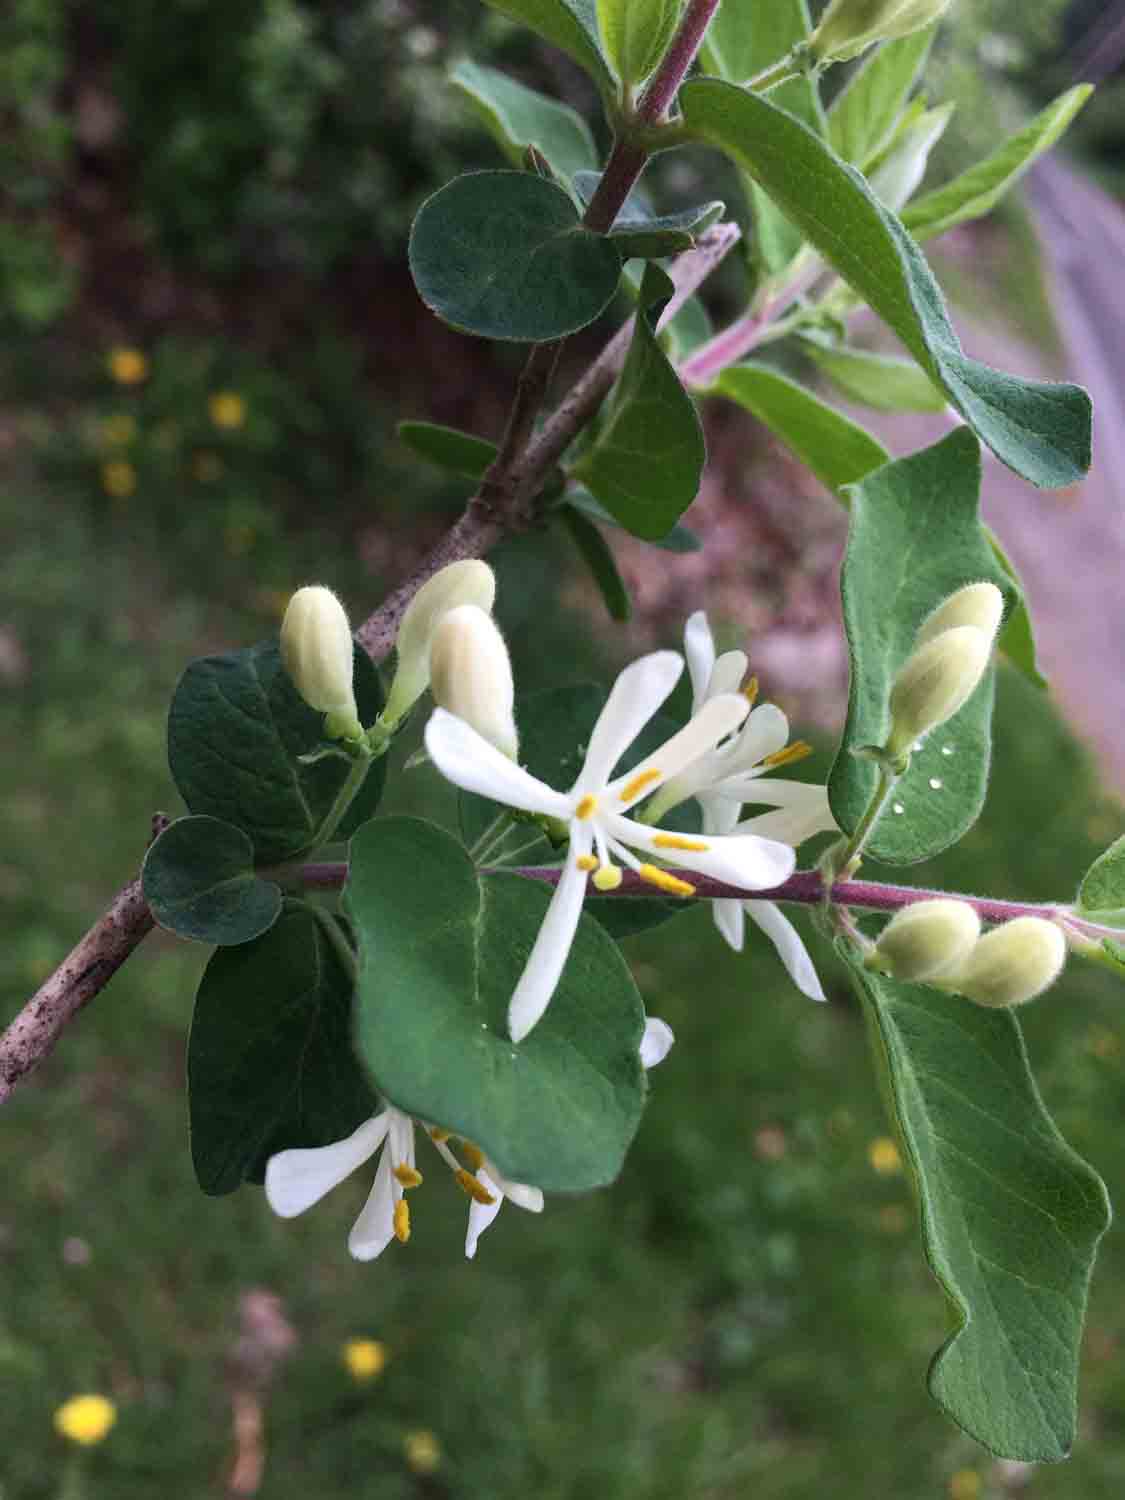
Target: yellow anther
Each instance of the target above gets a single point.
(677, 841)
(798, 750)
(642, 779)
(473, 1155)
(476, 1190)
(586, 807)
(750, 691)
(665, 881)
(608, 878)
(402, 1221)
(409, 1176)
(586, 862)
(439, 1136)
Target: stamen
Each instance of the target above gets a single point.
(608, 878)
(798, 750)
(407, 1175)
(642, 779)
(476, 1190)
(665, 881)
(750, 691)
(586, 862)
(438, 1136)
(586, 807)
(473, 1155)
(677, 841)
(402, 1221)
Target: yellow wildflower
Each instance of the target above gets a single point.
(228, 410)
(119, 478)
(365, 1358)
(127, 366)
(422, 1451)
(883, 1155)
(85, 1419)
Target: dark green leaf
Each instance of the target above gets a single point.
(637, 217)
(882, 381)
(1101, 896)
(1017, 636)
(441, 952)
(646, 462)
(270, 1060)
(235, 730)
(915, 538)
(1040, 430)
(518, 117)
(570, 25)
(459, 452)
(504, 256)
(680, 539)
(1011, 1216)
(864, 115)
(598, 557)
(198, 879)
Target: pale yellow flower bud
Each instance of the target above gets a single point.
(471, 675)
(979, 604)
(849, 27)
(895, 181)
(316, 647)
(935, 682)
(468, 582)
(1011, 964)
(927, 938)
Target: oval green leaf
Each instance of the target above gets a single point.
(882, 381)
(570, 25)
(198, 879)
(518, 117)
(1101, 896)
(635, 33)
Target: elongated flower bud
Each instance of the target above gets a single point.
(471, 675)
(927, 938)
(1011, 964)
(849, 27)
(468, 582)
(896, 180)
(979, 604)
(317, 650)
(935, 682)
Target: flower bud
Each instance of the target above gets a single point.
(979, 604)
(471, 676)
(896, 179)
(935, 682)
(927, 938)
(849, 27)
(1011, 964)
(317, 650)
(468, 582)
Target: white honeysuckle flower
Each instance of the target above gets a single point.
(594, 809)
(736, 772)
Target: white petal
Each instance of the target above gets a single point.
(400, 1138)
(727, 673)
(730, 921)
(765, 732)
(719, 815)
(790, 949)
(699, 648)
(529, 1198)
(754, 864)
(636, 695)
(656, 1042)
(297, 1179)
(373, 1231)
(714, 721)
(481, 1215)
(792, 824)
(465, 758)
(544, 967)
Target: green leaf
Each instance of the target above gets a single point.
(635, 34)
(503, 255)
(440, 953)
(235, 730)
(646, 462)
(915, 537)
(1040, 430)
(1101, 896)
(1011, 1216)
(864, 115)
(270, 1060)
(518, 117)
(449, 448)
(835, 448)
(198, 879)
(1115, 955)
(680, 539)
(882, 381)
(977, 191)
(570, 25)
(637, 219)
(598, 557)
(1017, 635)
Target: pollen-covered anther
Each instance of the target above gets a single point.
(750, 691)
(586, 807)
(407, 1175)
(439, 1136)
(473, 1155)
(587, 862)
(476, 1190)
(798, 750)
(678, 841)
(608, 878)
(636, 786)
(665, 881)
(402, 1221)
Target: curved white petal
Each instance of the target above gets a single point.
(465, 758)
(636, 695)
(790, 949)
(792, 824)
(481, 1215)
(699, 648)
(765, 732)
(727, 673)
(656, 1043)
(730, 921)
(714, 721)
(548, 957)
(529, 1198)
(719, 815)
(373, 1231)
(754, 864)
(297, 1179)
